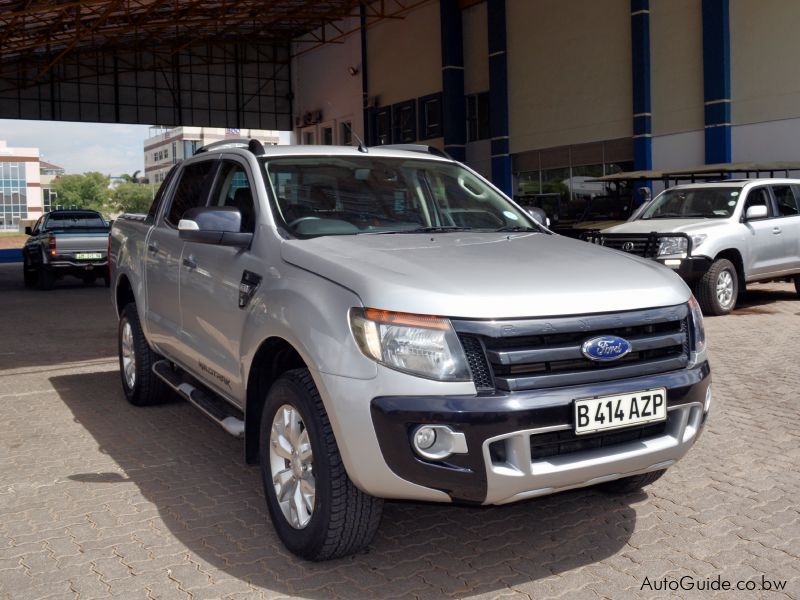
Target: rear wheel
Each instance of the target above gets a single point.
(797, 284)
(626, 485)
(141, 386)
(29, 275)
(316, 510)
(718, 290)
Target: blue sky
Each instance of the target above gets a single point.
(80, 147)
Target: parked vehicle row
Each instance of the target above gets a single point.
(384, 323)
(718, 236)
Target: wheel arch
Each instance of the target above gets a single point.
(733, 255)
(123, 294)
(274, 356)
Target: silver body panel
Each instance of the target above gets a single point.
(191, 316)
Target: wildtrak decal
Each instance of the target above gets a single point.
(218, 376)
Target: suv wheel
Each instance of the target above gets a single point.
(30, 276)
(626, 485)
(718, 289)
(316, 510)
(141, 386)
(797, 284)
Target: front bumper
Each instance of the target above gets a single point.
(521, 445)
(690, 269)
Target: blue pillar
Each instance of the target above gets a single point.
(453, 106)
(717, 80)
(498, 96)
(640, 55)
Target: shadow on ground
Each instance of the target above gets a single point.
(758, 299)
(212, 503)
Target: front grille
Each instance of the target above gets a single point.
(558, 443)
(542, 353)
(645, 245)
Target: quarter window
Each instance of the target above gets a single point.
(785, 198)
(192, 190)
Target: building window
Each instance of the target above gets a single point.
(13, 195)
(404, 118)
(430, 116)
(383, 126)
(346, 133)
(49, 200)
(478, 117)
(174, 152)
(327, 136)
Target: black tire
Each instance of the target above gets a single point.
(797, 284)
(29, 275)
(46, 278)
(706, 288)
(627, 485)
(147, 389)
(344, 519)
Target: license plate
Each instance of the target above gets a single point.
(620, 410)
(88, 255)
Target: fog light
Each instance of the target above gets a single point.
(707, 404)
(424, 438)
(436, 442)
(672, 262)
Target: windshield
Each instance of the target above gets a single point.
(75, 221)
(688, 203)
(377, 195)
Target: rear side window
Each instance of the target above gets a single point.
(192, 190)
(786, 200)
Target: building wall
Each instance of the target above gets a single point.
(20, 186)
(676, 57)
(323, 82)
(569, 71)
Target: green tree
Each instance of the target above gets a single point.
(89, 190)
(133, 197)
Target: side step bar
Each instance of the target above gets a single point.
(226, 415)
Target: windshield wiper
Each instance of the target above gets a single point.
(518, 228)
(434, 229)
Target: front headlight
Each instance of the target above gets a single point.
(421, 345)
(698, 327)
(673, 246)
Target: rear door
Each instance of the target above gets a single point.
(163, 256)
(787, 200)
(763, 237)
(212, 319)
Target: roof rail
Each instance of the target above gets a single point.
(253, 145)
(423, 148)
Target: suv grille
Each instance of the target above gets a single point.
(541, 353)
(646, 246)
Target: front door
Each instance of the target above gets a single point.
(763, 236)
(787, 204)
(210, 276)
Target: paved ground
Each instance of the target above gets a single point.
(98, 498)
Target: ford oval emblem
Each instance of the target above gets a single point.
(605, 348)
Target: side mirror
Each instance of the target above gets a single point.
(218, 225)
(756, 212)
(539, 216)
(28, 230)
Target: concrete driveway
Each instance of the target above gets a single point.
(101, 499)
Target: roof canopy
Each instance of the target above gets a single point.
(704, 171)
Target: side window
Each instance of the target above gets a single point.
(234, 189)
(785, 199)
(759, 197)
(159, 198)
(192, 190)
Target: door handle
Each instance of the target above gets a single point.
(189, 262)
(776, 230)
(152, 246)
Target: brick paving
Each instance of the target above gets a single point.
(100, 499)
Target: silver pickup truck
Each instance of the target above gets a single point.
(383, 323)
(66, 242)
(719, 236)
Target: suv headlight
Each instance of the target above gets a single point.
(421, 345)
(698, 327)
(673, 246)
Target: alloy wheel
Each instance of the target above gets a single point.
(291, 466)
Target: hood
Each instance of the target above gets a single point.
(668, 226)
(487, 275)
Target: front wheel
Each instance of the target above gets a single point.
(718, 290)
(141, 386)
(316, 510)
